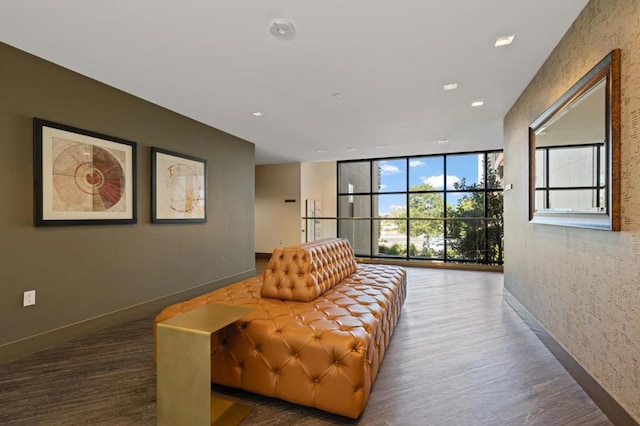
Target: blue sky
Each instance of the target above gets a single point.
(424, 170)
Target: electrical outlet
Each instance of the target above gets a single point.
(29, 298)
(280, 242)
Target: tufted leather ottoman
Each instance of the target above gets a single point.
(324, 352)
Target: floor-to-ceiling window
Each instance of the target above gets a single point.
(436, 207)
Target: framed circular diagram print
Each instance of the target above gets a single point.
(82, 177)
(178, 187)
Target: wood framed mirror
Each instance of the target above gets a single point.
(574, 153)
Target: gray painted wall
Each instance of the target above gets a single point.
(87, 272)
(582, 285)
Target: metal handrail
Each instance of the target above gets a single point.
(397, 218)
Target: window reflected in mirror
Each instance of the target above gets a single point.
(570, 157)
(574, 153)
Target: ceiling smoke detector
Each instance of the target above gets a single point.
(283, 30)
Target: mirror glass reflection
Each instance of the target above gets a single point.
(574, 153)
(570, 157)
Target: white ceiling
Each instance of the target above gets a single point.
(216, 62)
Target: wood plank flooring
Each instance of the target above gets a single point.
(459, 356)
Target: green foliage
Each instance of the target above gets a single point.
(421, 205)
(467, 237)
(398, 250)
(394, 250)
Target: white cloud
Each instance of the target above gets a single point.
(383, 186)
(416, 163)
(392, 207)
(438, 181)
(388, 169)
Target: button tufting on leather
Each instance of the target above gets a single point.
(363, 301)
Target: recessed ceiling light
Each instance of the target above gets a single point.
(351, 148)
(450, 86)
(504, 40)
(477, 103)
(257, 114)
(441, 141)
(337, 95)
(320, 151)
(378, 146)
(283, 30)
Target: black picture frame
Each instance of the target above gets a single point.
(178, 187)
(82, 177)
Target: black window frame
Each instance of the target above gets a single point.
(446, 220)
(599, 187)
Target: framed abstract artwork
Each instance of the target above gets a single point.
(82, 177)
(178, 187)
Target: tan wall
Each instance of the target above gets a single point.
(84, 272)
(318, 182)
(277, 223)
(583, 285)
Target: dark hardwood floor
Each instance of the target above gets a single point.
(459, 356)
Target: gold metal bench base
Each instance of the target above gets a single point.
(227, 413)
(184, 369)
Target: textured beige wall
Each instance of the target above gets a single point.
(583, 285)
(85, 272)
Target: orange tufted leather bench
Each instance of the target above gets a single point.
(320, 328)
